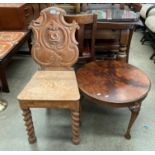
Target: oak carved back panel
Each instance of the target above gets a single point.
(54, 43)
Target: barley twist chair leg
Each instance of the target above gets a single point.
(80, 115)
(29, 125)
(75, 127)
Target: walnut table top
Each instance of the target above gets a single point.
(113, 82)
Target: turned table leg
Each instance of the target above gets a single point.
(29, 125)
(75, 127)
(134, 113)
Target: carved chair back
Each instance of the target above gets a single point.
(86, 33)
(54, 44)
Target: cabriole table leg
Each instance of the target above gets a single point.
(134, 113)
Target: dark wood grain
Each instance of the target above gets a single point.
(113, 82)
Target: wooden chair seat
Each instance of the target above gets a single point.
(51, 86)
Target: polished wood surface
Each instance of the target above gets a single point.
(55, 85)
(114, 83)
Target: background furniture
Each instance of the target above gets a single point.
(146, 11)
(149, 22)
(86, 47)
(147, 15)
(116, 84)
(94, 6)
(135, 6)
(55, 86)
(10, 42)
(17, 16)
(14, 21)
(69, 7)
(114, 32)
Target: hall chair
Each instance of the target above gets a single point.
(85, 35)
(54, 85)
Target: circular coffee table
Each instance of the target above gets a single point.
(116, 84)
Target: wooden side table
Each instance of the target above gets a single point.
(116, 84)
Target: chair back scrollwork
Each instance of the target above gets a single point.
(54, 43)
